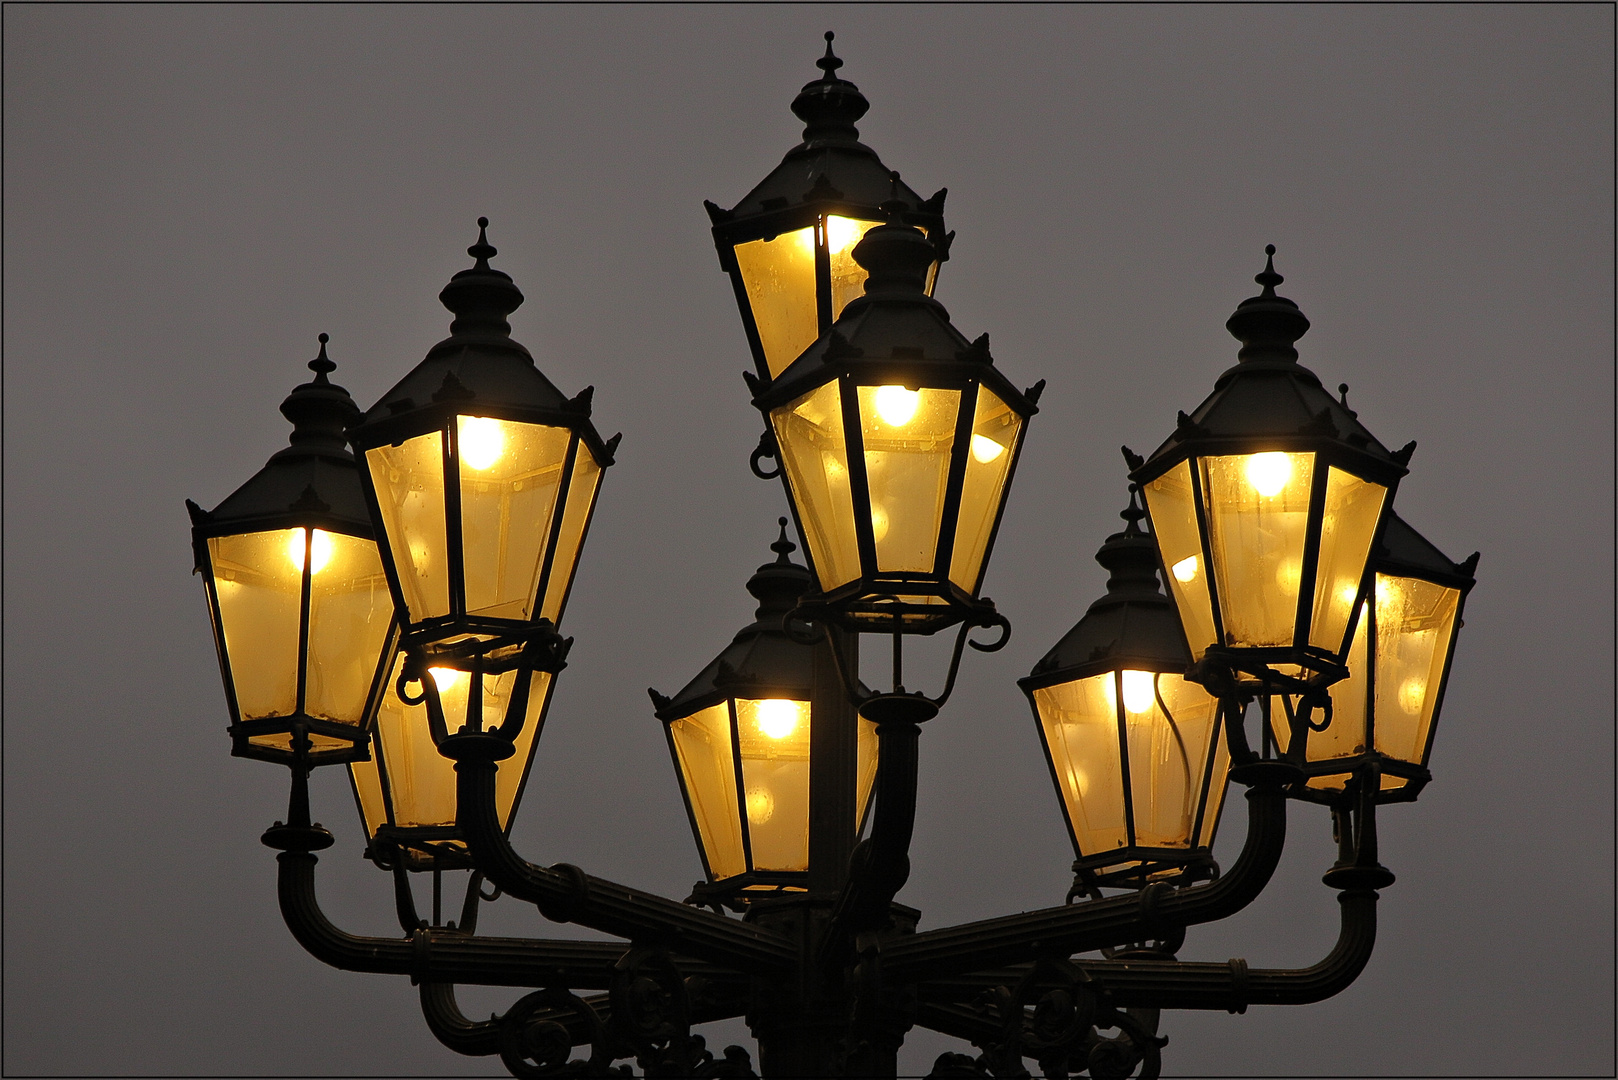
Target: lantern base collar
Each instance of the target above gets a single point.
(297, 837)
(899, 709)
(476, 746)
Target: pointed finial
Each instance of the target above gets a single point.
(829, 63)
(1132, 513)
(1269, 278)
(320, 365)
(482, 251)
(1342, 388)
(782, 546)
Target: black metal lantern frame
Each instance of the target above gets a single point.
(311, 485)
(1403, 559)
(831, 174)
(896, 337)
(1267, 404)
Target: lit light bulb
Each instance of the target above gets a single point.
(1185, 571)
(1139, 691)
(842, 234)
(778, 718)
(879, 522)
(319, 550)
(986, 449)
(1412, 693)
(760, 805)
(896, 405)
(482, 441)
(1269, 473)
(446, 678)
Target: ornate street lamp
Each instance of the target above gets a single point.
(788, 245)
(898, 439)
(301, 614)
(1386, 712)
(483, 478)
(1265, 503)
(742, 738)
(1136, 752)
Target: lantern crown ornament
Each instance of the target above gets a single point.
(740, 734)
(1136, 751)
(1265, 502)
(898, 439)
(788, 243)
(301, 619)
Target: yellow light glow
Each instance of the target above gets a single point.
(319, 550)
(1185, 571)
(1412, 694)
(1346, 594)
(1139, 691)
(446, 678)
(986, 449)
(1289, 574)
(1269, 473)
(896, 405)
(760, 805)
(777, 717)
(482, 441)
(879, 522)
(842, 234)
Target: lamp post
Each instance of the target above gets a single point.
(469, 494)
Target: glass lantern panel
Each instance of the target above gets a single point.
(1168, 752)
(774, 741)
(510, 473)
(814, 453)
(409, 484)
(258, 580)
(708, 766)
(865, 758)
(1079, 721)
(778, 275)
(1344, 737)
(1352, 509)
(581, 500)
(350, 610)
(1258, 516)
(847, 276)
(1415, 620)
(995, 428)
(908, 437)
(1170, 500)
(1218, 784)
(367, 779)
(419, 779)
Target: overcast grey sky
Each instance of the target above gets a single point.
(192, 193)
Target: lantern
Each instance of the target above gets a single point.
(740, 735)
(898, 440)
(483, 478)
(1136, 751)
(1265, 503)
(788, 245)
(302, 617)
(1386, 711)
(406, 790)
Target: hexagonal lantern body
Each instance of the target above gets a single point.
(1137, 752)
(303, 621)
(898, 440)
(788, 245)
(1265, 504)
(740, 737)
(1386, 712)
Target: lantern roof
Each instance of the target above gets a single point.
(478, 369)
(312, 481)
(831, 166)
(1405, 552)
(1268, 395)
(762, 659)
(895, 330)
(1132, 626)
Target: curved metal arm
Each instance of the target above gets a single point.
(567, 894)
(1098, 924)
(449, 956)
(474, 1038)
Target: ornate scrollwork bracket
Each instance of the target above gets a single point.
(651, 1019)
